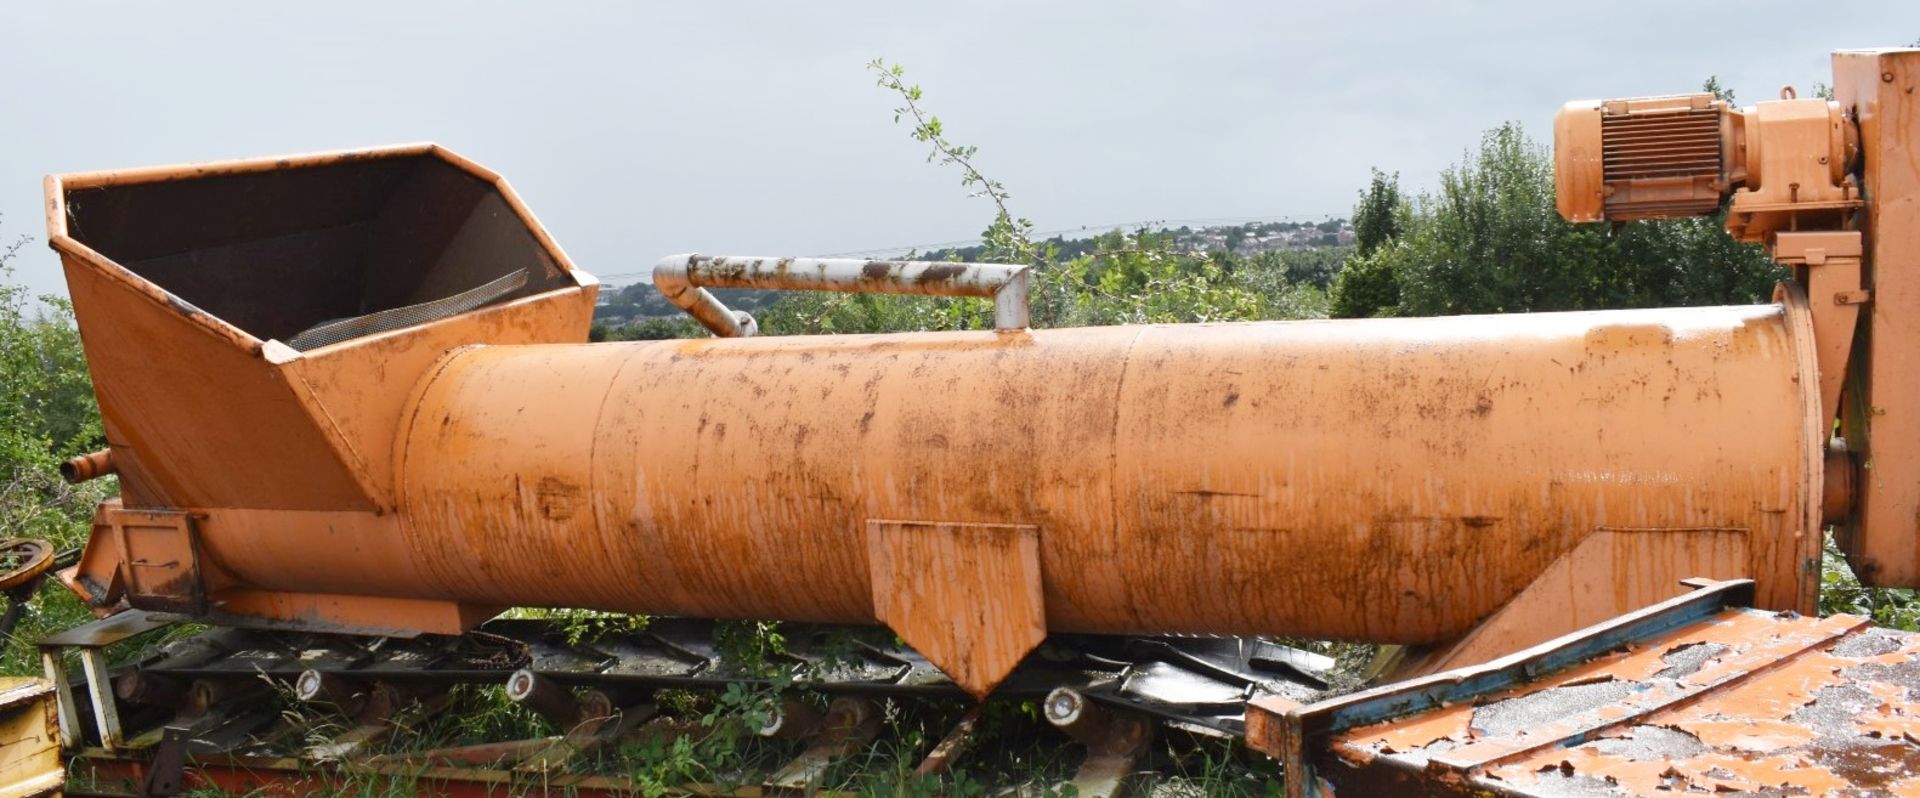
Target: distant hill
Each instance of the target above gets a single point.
(639, 301)
(1246, 239)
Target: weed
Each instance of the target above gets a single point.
(749, 647)
(585, 626)
(1841, 592)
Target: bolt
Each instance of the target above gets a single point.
(1886, 77)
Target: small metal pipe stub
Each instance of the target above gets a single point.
(1070, 712)
(545, 697)
(1099, 728)
(140, 687)
(793, 720)
(91, 465)
(317, 687)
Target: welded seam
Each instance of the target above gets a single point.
(424, 562)
(1113, 451)
(593, 464)
(1797, 316)
(358, 462)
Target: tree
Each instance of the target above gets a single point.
(1712, 86)
(1379, 216)
(47, 413)
(1367, 284)
(651, 328)
(1489, 240)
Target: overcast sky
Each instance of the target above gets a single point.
(636, 131)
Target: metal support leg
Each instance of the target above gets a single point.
(92, 640)
(100, 691)
(52, 660)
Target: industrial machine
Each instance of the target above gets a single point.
(350, 395)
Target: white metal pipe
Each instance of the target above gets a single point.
(1010, 302)
(683, 279)
(670, 277)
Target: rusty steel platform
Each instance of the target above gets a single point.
(1694, 696)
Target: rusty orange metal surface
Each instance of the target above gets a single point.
(1406, 479)
(1827, 185)
(986, 611)
(350, 392)
(91, 465)
(1786, 164)
(202, 414)
(1469, 484)
(1880, 409)
(1737, 701)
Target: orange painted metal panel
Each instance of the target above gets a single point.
(1881, 407)
(1393, 480)
(966, 596)
(278, 453)
(1610, 569)
(195, 420)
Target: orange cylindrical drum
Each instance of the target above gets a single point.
(1393, 480)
